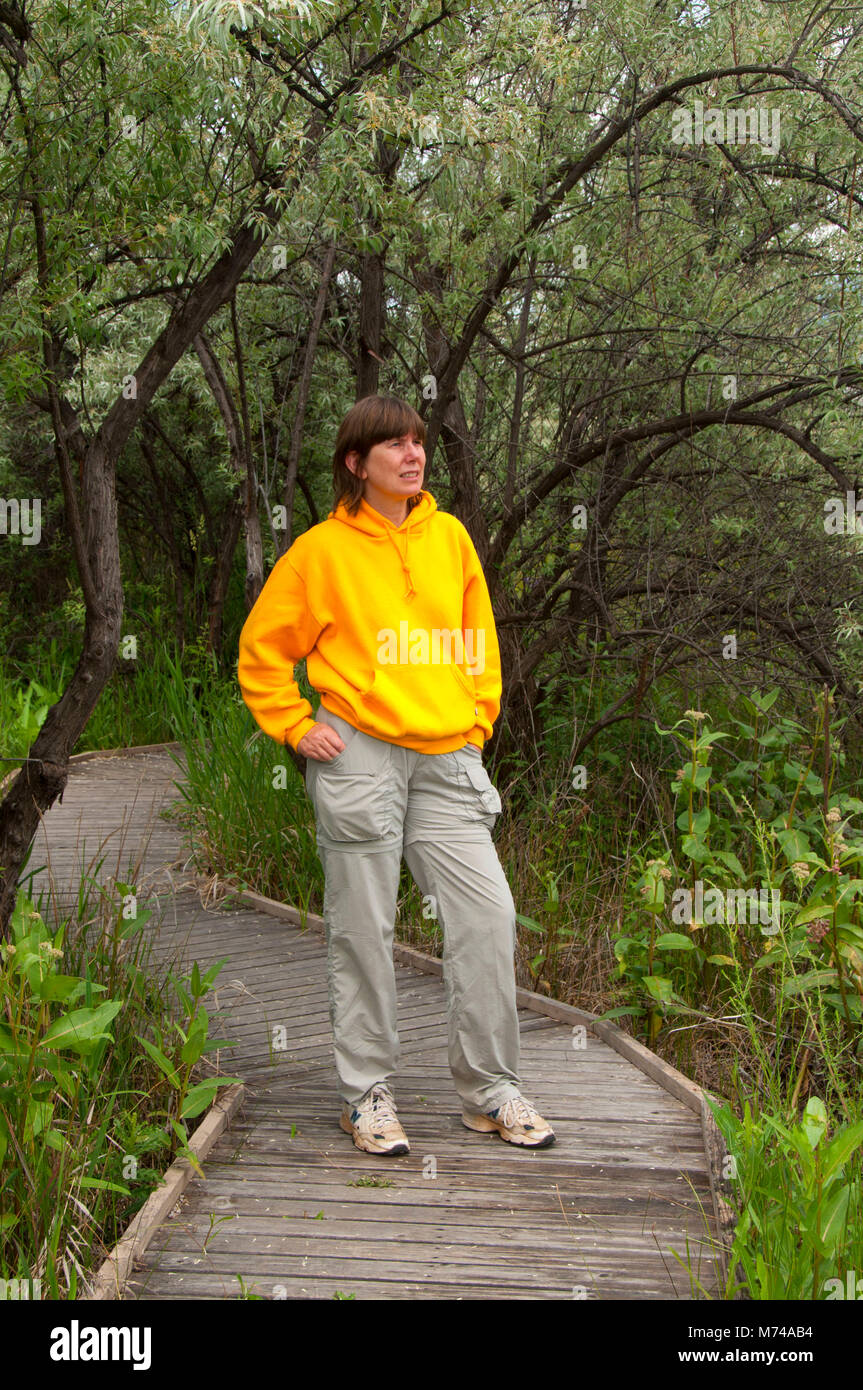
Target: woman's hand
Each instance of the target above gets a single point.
(321, 743)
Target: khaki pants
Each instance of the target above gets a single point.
(374, 802)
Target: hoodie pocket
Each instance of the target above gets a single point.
(420, 701)
(463, 681)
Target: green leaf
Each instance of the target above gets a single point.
(721, 960)
(61, 987)
(809, 914)
(698, 779)
(833, 1215)
(731, 862)
(162, 1062)
(529, 923)
(700, 821)
(840, 1148)
(711, 737)
(693, 846)
(199, 1096)
(814, 1121)
(39, 1114)
(103, 1184)
(794, 844)
(193, 1047)
(658, 905)
(82, 1028)
(210, 976)
(674, 941)
(183, 996)
(799, 984)
(658, 985)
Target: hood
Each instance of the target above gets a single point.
(371, 523)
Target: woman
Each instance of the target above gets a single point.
(387, 601)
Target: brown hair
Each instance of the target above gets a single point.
(370, 421)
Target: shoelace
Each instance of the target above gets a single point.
(517, 1109)
(382, 1107)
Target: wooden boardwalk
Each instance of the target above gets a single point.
(290, 1209)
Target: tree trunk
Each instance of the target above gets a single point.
(240, 459)
(371, 323)
(254, 540)
(303, 396)
(222, 574)
(455, 435)
(42, 778)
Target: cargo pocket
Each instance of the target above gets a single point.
(481, 797)
(351, 804)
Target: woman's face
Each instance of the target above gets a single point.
(392, 469)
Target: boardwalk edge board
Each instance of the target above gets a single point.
(110, 1280)
(660, 1071)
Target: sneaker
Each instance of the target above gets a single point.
(515, 1120)
(374, 1124)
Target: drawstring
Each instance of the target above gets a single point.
(411, 590)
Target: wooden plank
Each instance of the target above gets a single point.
(477, 1209)
(449, 1265)
(153, 1286)
(327, 1239)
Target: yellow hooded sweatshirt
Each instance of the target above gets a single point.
(397, 626)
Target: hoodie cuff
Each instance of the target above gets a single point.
(476, 736)
(298, 732)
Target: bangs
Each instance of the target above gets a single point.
(392, 419)
(370, 421)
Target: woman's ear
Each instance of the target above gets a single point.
(352, 461)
